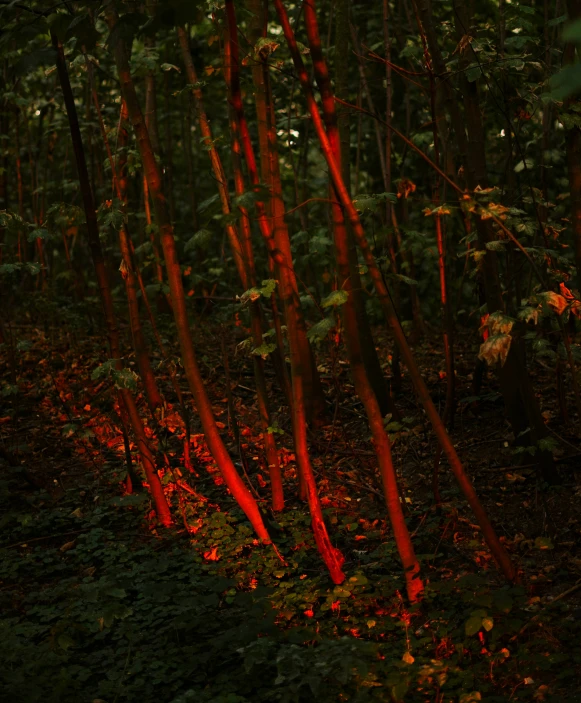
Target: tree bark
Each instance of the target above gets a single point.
(225, 464)
(155, 487)
(241, 244)
(499, 553)
(361, 380)
(270, 172)
(331, 556)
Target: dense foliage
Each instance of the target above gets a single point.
(290, 340)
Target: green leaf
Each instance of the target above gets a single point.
(335, 299)
(547, 444)
(487, 624)
(201, 240)
(404, 279)
(526, 163)
(31, 61)
(319, 332)
(370, 202)
(9, 268)
(268, 287)
(473, 625)
(497, 245)
(264, 350)
(473, 72)
(565, 83)
(557, 20)
(503, 601)
(38, 234)
(572, 32)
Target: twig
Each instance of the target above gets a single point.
(566, 593)
(38, 539)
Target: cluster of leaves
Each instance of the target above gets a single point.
(102, 608)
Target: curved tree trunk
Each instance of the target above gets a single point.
(270, 173)
(225, 464)
(360, 377)
(152, 393)
(161, 506)
(498, 551)
(332, 557)
(241, 244)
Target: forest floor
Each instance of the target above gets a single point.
(100, 604)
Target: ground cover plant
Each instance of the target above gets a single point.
(290, 340)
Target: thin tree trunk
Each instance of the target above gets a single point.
(573, 147)
(224, 462)
(370, 357)
(332, 556)
(498, 551)
(168, 155)
(521, 405)
(161, 505)
(270, 172)
(187, 130)
(152, 393)
(361, 380)
(241, 244)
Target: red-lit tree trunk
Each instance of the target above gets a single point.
(161, 505)
(151, 389)
(360, 377)
(370, 357)
(332, 557)
(446, 308)
(498, 551)
(241, 244)
(573, 146)
(151, 122)
(224, 462)
(275, 208)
